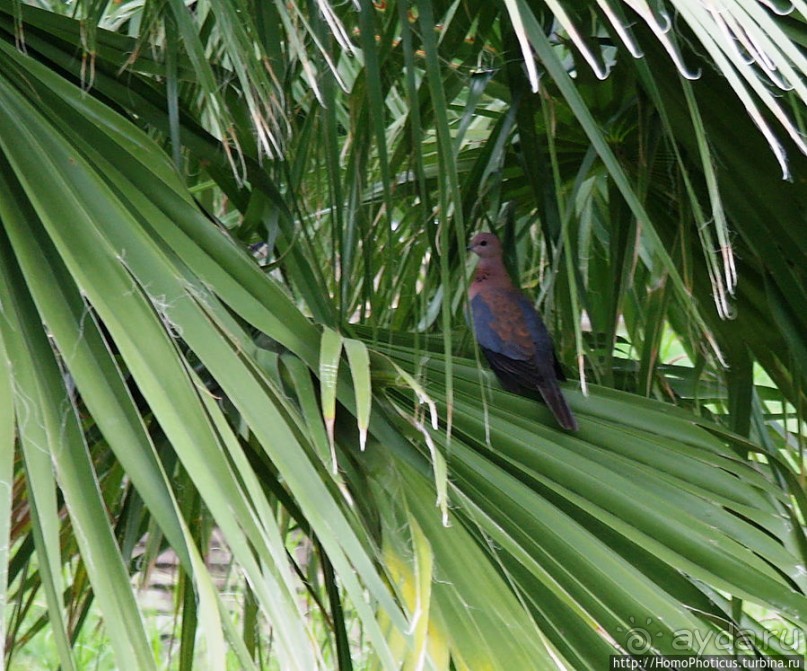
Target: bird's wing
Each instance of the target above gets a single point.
(517, 345)
(511, 334)
(500, 324)
(543, 348)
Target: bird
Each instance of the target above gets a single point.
(511, 333)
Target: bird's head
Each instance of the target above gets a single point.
(485, 245)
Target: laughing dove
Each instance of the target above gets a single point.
(511, 333)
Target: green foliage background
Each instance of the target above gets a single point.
(645, 165)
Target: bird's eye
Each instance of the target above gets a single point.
(483, 243)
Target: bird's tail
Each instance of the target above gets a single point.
(556, 402)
